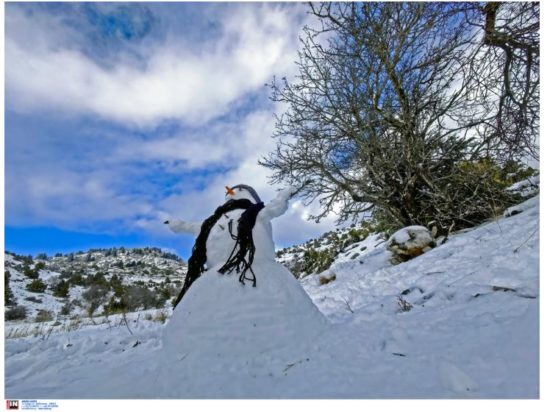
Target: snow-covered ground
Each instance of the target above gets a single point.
(460, 321)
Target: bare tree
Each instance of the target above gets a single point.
(509, 67)
(383, 117)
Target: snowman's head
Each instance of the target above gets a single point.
(242, 192)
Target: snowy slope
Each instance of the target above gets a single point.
(148, 267)
(460, 321)
(34, 302)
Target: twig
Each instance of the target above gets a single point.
(497, 223)
(448, 233)
(379, 243)
(46, 336)
(290, 365)
(126, 324)
(432, 273)
(306, 183)
(523, 243)
(348, 306)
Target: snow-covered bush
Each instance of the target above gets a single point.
(9, 299)
(141, 297)
(161, 317)
(95, 295)
(61, 289)
(316, 261)
(44, 316)
(39, 266)
(66, 309)
(29, 272)
(16, 313)
(75, 279)
(355, 234)
(36, 286)
(132, 298)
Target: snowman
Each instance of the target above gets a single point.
(235, 294)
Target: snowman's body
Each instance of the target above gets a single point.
(220, 242)
(222, 314)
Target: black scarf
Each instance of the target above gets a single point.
(244, 246)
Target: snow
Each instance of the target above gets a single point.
(276, 313)
(40, 301)
(220, 243)
(416, 233)
(410, 241)
(472, 331)
(528, 204)
(527, 187)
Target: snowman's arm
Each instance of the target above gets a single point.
(180, 226)
(278, 205)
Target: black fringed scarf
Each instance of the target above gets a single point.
(244, 246)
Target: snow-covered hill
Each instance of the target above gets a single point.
(63, 287)
(460, 321)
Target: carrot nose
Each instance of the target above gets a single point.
(230, 191)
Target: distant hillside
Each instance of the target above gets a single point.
(99, 281)
(316, 255)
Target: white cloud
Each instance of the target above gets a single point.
(61, 198)
(222, 143)
(195, 205)
(186, 84)
(175, 82)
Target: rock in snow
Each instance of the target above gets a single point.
(410, 241)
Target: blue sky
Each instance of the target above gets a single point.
(119, 116)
